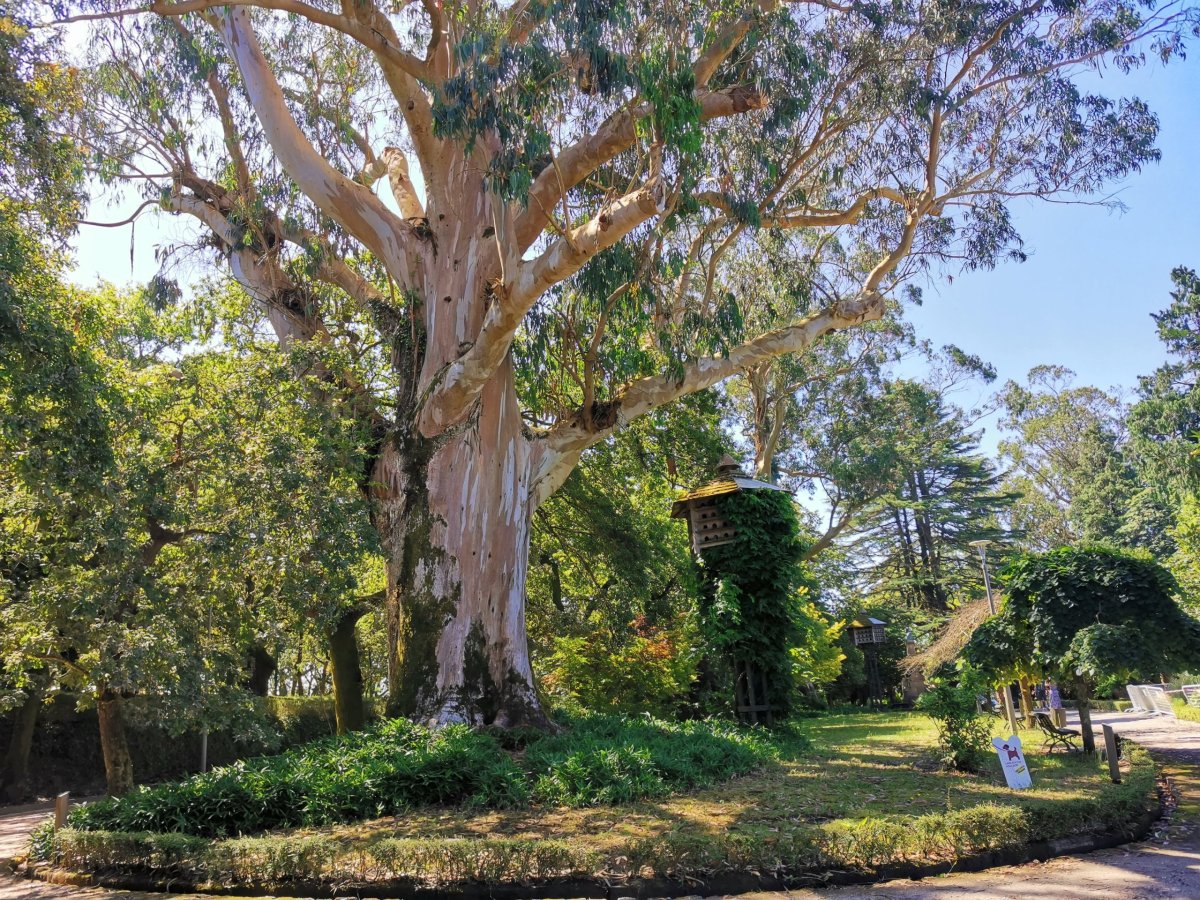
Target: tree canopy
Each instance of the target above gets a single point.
(571, 190)
(1083, 613)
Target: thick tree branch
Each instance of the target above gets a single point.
(350, 204)
(568, 439)
(369, 38)
(264, 280)
(406, 87)
(617, 134)
(812, 217)
(822, 543)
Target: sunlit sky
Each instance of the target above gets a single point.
(1083, 299)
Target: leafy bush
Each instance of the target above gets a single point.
(371, 773)
(860, 844)
(964, 734)
(397, 765)
(651, 673)
(610, 759)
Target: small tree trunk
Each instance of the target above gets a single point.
(1083, 699)
(15, 777)
(454, 517)
(118, 764)
(347, 672)
(1026, 700)
(262, 667)
(297, 682)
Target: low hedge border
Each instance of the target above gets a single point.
(1185, 711)
(1109, 705)
(840, 852)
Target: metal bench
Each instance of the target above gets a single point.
(1153, 698)
(1055, 736)
(1137, 698)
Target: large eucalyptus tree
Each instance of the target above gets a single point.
(567, 181)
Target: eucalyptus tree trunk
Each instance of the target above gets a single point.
(454, 516)
(118, 764)
(456, 472)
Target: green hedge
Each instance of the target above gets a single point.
(396, 765)
(1109, 705)
(861, 845)
(66, 751)
(1186, 711)
(315, 858)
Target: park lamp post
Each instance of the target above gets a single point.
(1005, 696)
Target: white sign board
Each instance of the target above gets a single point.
(1012, 761)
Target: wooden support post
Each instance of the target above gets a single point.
(61, 804)
(1113, 754)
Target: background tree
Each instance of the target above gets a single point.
(1164, 422)
(612, 585)
(1068, 460)
(582, 173)
(216, 486)
(40, 168)
(913, 543)
(1080, 614)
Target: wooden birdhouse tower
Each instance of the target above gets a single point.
(702, 506)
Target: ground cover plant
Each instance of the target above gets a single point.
(397, 765)
(848, 792)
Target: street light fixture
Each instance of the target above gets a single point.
(1005, 696)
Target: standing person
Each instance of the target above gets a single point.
(1057, 713)
(1039, 694)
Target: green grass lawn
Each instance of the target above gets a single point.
(858, 766)
(847, 792)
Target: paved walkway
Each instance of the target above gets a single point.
(16, 825)
(1166, 865)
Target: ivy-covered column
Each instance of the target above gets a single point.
(754, 583)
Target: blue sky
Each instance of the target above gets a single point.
(1083, 299)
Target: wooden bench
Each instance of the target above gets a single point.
(1055, 736)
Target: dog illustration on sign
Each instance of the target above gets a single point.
(1012, 761)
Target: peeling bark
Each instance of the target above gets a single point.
(455, 519)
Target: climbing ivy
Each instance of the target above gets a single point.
(755, 590)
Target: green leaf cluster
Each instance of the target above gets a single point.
(757, 588)
(1084, 613)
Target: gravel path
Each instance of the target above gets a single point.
(1167, 865)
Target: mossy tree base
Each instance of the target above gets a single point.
(454, 515)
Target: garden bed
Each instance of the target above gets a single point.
(861, 803)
